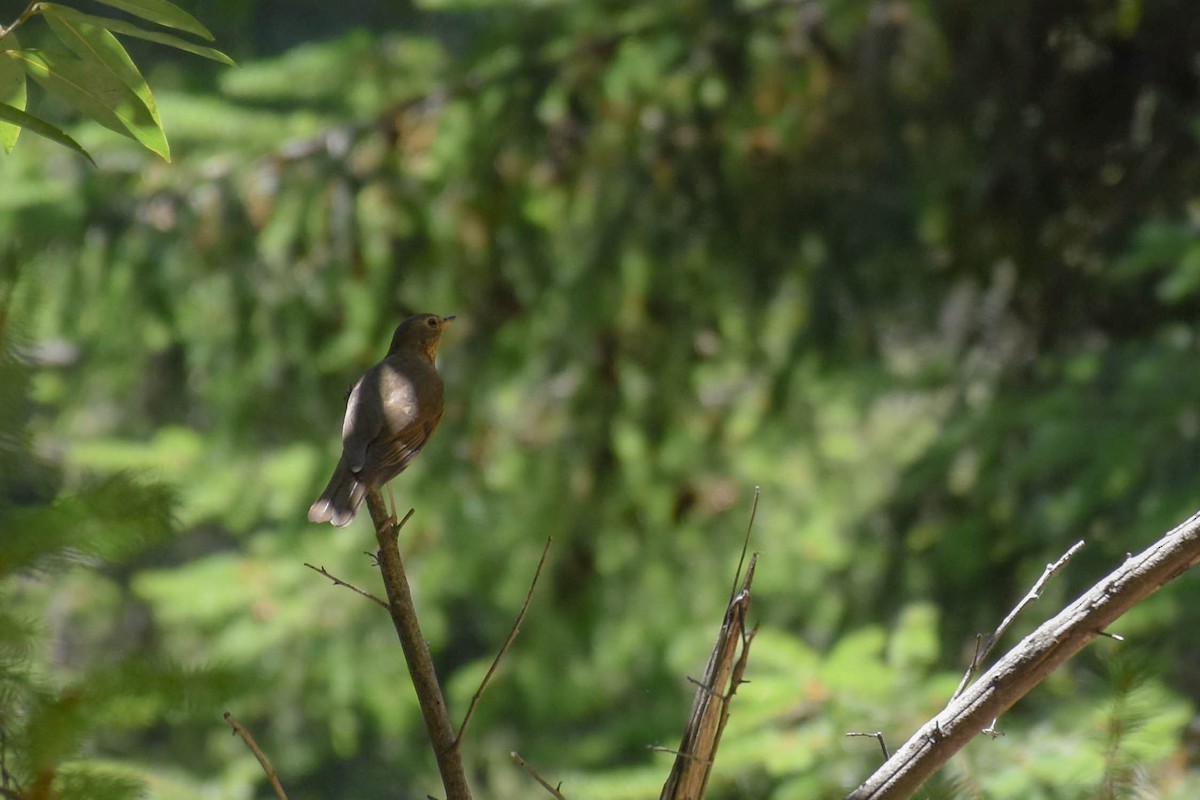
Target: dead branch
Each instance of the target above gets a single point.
(240, 730)
(1034, 658)
(339, 582)
(512, 637)
(710, 708)
(722, 677)
(877, 736)
(984, 648)
(533, 773)
(416, 650)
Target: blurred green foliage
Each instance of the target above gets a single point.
(925, 272)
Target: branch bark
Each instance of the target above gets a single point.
(272, 776)
(710, 709)
(1034, 658)
(416, 651)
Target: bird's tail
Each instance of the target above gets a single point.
(340, 499)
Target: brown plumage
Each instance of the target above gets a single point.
(390, 414)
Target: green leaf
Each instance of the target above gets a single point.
(97, 93)
(129, 29)
(39, 126)
(101, 50)
(12, 91)
(166, 14)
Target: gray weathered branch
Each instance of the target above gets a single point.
(1034, 658)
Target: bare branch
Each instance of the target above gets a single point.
(531, 772)
(416, 650)
(30, 10)
(1034, 658)
(512, 637)
(722, 677)
(878, 736)
(737, 576)
(710, 708)
(339, 582)
(240, 730)
(983, 650)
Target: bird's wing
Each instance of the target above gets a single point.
(388, 457)
(412, 408)
(364, 419)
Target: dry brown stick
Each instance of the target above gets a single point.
(710, 708)
(339, 582)
(240, 730)
(722, 677)
(533, 773)
(512, 637)
(1034, 658)
(416, 650)
(737, 576)
(984, 649)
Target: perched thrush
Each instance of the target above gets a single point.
(390, 414)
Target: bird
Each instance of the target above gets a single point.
(391, 412)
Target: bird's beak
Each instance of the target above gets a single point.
(447, 320)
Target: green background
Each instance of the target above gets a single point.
(928, 273)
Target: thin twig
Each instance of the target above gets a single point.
(981, 652)
(512, 637)
(240, 730)
(29, 11)
(396, 526)
(878, 736)
(661, 748)
(737, 576)
(533, 773)
(339, 582)
(416, 649)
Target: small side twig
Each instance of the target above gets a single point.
(662, 748)
(339, 582)
(878, 736)
(30, 10)
(982, 651)
(240, 730)
(737, 576)
(533, 773)
(512, 637)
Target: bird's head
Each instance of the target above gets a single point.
(419, 333)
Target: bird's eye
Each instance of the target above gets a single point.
(432, 322)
